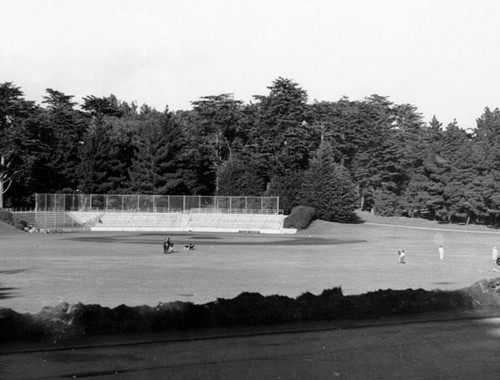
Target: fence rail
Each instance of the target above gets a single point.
(155, 203)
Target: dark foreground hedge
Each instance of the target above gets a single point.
(247, 309)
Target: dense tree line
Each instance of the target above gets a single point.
(335, 156)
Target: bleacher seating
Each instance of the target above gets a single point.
(88, 218)
(200, 222)
(175, 221)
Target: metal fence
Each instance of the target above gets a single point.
(156, 203)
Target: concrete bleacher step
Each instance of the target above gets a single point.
(208, 222)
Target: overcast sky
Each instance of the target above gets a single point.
(442, 56)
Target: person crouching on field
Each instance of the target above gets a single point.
(170, 246)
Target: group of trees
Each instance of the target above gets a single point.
(335, 156)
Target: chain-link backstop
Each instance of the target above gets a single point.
(156, 203)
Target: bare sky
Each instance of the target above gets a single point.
(442, 56)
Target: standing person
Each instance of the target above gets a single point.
(441, 252)
(494, 254)
(401, 254)
(165, 245)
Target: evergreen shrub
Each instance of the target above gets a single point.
(6, 217)
(300, 217)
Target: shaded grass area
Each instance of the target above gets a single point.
(143, 239)
(6, 292)
(70, 322)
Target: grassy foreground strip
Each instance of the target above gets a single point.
(66, 321)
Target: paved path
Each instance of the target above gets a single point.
(453, 349)
(448, 228)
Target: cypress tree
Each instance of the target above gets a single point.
(328, 188)
(239, 176)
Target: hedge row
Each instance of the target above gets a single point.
(247, 309)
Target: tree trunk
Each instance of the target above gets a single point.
(5, 179)
(361, 197)
(2, 179)
(1, 193)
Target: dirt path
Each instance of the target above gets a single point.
(321, 227)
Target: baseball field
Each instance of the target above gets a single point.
(38, 270)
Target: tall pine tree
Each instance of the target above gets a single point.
(328, 188)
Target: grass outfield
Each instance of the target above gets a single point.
(129, 268)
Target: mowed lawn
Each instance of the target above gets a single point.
(130, 268)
